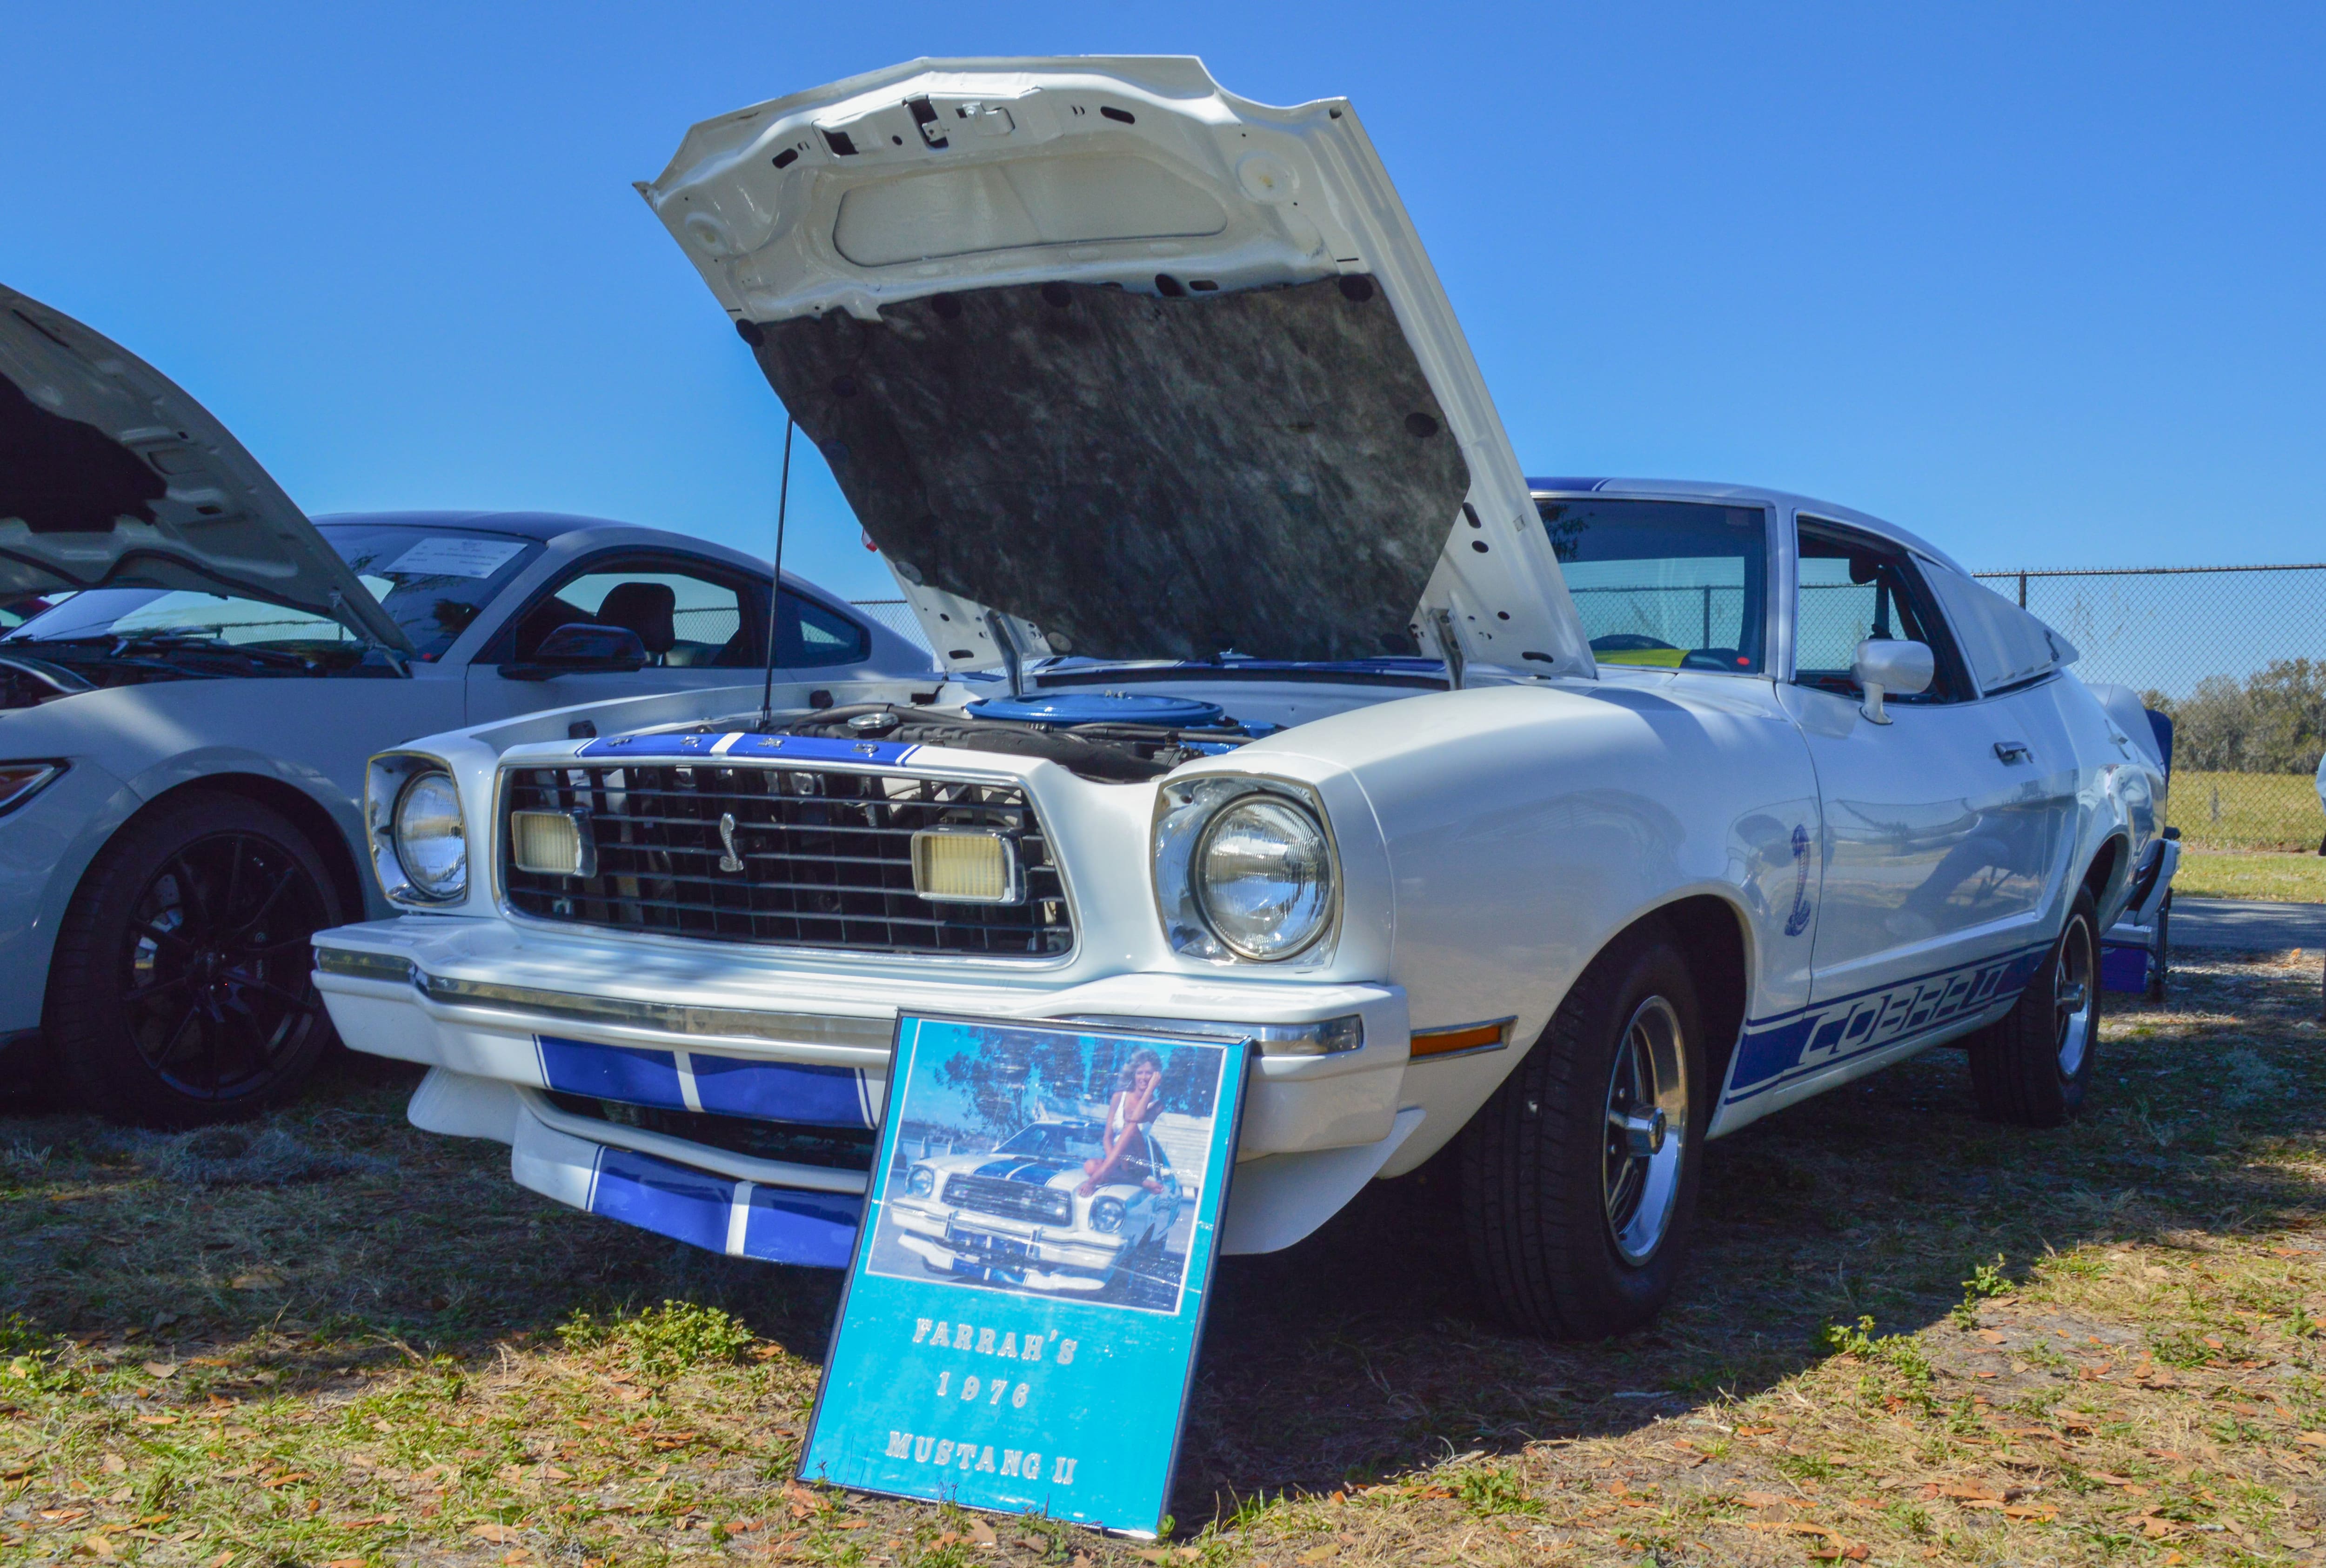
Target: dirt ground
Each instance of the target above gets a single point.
(1908, 1337)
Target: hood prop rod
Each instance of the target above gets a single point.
(775, 586)
(1442, 623)
(1007, 646)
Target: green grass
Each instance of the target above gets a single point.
(2246, 810)
(2094, 1346)
(2283, 878)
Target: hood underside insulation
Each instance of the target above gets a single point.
(1265, 471)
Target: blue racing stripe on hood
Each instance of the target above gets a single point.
(693, 747)
(1037, 1172)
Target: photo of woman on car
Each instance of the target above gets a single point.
(1134, 1108)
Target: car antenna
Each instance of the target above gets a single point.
(775, 588)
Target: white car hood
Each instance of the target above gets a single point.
(1153, 370)
(112, 477)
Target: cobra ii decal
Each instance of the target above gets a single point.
(1781, 1049)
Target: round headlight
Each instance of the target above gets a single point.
(430, 842)
(1263, 877)
(922, 1182)
(1106, 1214)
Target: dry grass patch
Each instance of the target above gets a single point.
(1910, 1337)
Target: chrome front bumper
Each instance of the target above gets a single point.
(506, 1018)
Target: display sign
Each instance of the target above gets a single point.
(1021, 1319)
(451, 556)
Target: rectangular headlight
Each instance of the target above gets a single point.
(554, 843)
(966, 865)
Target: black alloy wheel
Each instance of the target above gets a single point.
(182, 989)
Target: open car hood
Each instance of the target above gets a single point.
(112, 477)
(1150, 370)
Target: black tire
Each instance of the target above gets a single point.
(181, 991)
(2033, 1067)
(1541, 1162)
(2160, 962)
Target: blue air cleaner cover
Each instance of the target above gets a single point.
(1100, 708)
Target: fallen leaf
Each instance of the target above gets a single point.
(343, 1563)
(98, 1544)
(155, 1420)
(1754, 1431)
(498, 1535)
(160, 1369)
(1764, 1500)
(1990, 1336)
(1319, 1554)
(980, 1534)
(113, 1464)
(2312, 1439)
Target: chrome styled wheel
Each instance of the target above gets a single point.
(2074, 996)
(1647, 1130)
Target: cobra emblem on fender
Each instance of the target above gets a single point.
(730, 860)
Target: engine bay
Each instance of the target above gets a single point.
(1109, 737)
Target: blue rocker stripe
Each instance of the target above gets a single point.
(1776, 1051)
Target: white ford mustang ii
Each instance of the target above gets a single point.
(1583, 821)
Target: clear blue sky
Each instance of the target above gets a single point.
(2044, 283)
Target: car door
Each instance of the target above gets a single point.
(1942, 828)
(702, 624)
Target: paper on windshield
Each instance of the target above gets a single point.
(454, 558)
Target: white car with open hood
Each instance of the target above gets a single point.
(1584, 820)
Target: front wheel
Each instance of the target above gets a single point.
(2034, 1066)
(181, 990)
(1579, 1176)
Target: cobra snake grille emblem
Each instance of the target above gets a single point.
(730, 860)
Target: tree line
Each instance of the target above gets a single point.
(2272, 722)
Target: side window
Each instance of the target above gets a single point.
(1855, 587)
(686, 617)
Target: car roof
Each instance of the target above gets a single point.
(1709, 490)
(541, 525)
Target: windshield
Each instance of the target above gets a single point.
(1053, 1140)
(434, 581)
(1676, 585)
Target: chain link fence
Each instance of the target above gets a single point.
(2236, 655)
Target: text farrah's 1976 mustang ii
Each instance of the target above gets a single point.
(1585, 820)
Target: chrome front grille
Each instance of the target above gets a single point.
(1017, 1199)
(793, 856)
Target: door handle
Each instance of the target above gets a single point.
(2009, 752)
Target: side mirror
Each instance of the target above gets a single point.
(579, 647)
(1884, 665)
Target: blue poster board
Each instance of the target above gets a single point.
(1021, 1319)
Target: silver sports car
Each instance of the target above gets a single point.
(185, 716)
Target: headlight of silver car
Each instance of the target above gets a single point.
(1106, 1214)
(922, 1182)
(1244, 868)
